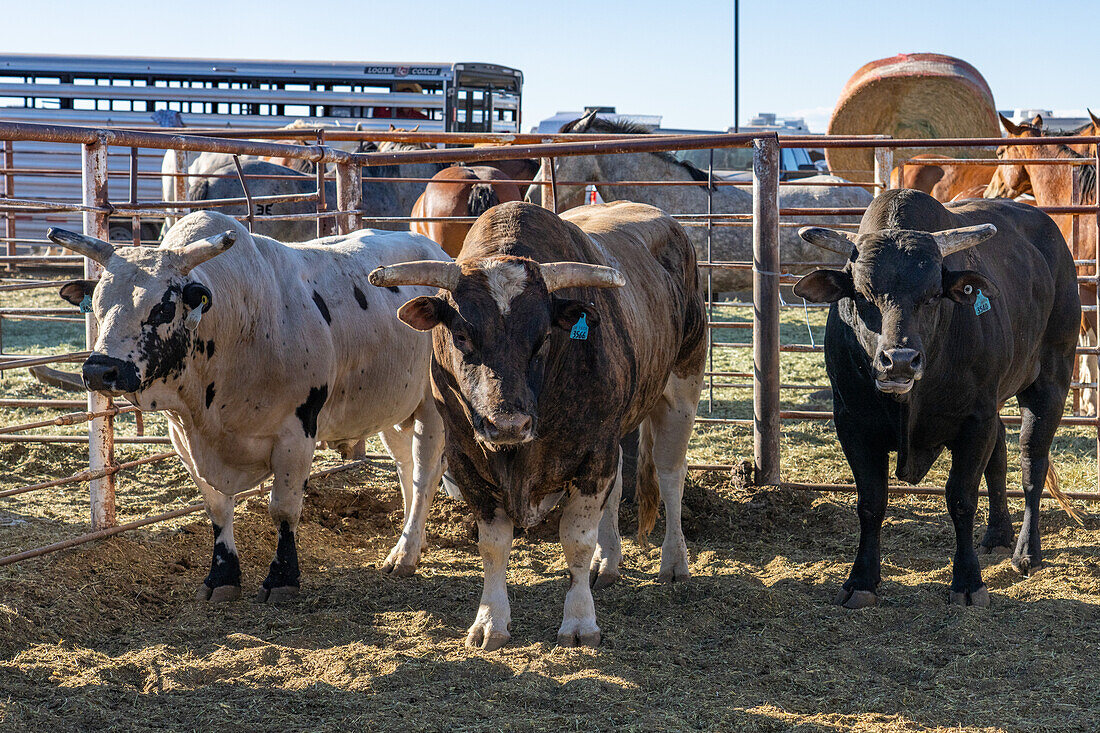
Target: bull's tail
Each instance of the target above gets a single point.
(648, 490)
(482, 198)
(1054, 486)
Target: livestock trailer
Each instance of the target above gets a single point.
(104, 91)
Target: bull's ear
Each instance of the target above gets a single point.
(197, 295)
(825, 286)
(566, 312)
(962, 286)
(424, 313)
(75, 291)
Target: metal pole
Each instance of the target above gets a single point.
(179, 183)
(101, 436)
(884, 164)
(322, 223)
(765, 312)
(710, 278)
(9, 192)
(1096, 284)
(349, 195)
(550, 193)
(736, 66)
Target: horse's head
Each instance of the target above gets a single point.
(1012, 180)
(593, 168)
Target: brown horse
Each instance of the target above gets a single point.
(1052, 185)
(943, 182)
(999, 189)
(460, 191)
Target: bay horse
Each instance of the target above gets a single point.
(945, 183)
(460, 191)
(1052, 185)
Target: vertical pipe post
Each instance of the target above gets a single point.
(349, 195)
(550, 193)
(765, 311)
(135, 220)
(9, 192)
(101, 436)
(179, 183)
(1096, 284)
(1074, 246)
(322, 223)
(710, 278)
(884, 163)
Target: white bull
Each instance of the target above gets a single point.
(258, 353)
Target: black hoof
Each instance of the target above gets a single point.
(979, 597)
(277, 595)
(855, 599)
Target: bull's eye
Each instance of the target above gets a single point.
(461, 342)
(163, 312)
(540, 346)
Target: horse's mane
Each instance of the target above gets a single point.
(595, 125)
(1088, 173)
(1061, 150)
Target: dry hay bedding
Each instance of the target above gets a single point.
(107, 636)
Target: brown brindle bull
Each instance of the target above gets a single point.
(540, 369)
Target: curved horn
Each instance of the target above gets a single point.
(90, 247)
(951, 241)
(422, 272)
(199, 252)
(560, 275)
(833, 240)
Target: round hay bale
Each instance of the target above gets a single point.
(911, 95)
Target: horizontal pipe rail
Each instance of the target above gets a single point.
(182, 511)
(87, 475)
(72, 418)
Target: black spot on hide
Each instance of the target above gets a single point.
(321, 306)
(393, 288)
(308, 411)
(284, 568)
(209, 394)
(360, 298)
(225, 566)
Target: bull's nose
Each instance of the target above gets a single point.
(108, 374)
(902, 363)
(512, 427)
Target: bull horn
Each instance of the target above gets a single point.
(90, 247)
(199, 252)
(833, 240)
(559, 275)
(951, 241)
(422, 272)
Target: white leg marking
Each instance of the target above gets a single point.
(671, 422)
(427, 467)
(580, 518)
(609, 551)
(490, 630)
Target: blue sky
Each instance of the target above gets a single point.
(646, 57)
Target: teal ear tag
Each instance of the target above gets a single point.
(580, 330)
(86, 303)
(981, 304)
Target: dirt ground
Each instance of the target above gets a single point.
(107, 636)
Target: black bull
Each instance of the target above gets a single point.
(923, 349)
